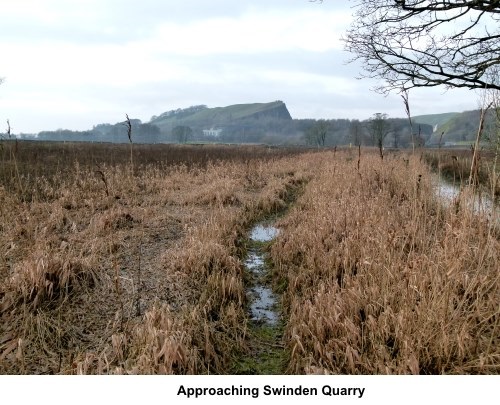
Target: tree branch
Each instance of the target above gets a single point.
(413, 43)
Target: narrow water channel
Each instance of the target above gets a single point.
(263, 302)
(266, 354)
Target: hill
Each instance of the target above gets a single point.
(239, 123)
(461, 128)
(435, 120)
(201, 117)
(271, 123)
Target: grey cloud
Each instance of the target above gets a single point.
(213, 80)
(119, 21)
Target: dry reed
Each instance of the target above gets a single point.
(72, 243)
(382, 279)
(379, 276)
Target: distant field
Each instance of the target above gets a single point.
(34, 159)
(118, 265)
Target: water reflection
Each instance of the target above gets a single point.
(480, 204)
(449, 193)
(262, 299)
(261, 233)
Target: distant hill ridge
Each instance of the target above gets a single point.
(458, 128)
(202, 116)
(435, 120)
(272, 123)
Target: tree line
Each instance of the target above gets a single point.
(311, 132)
(380, 131)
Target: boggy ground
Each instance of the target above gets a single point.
(108, 271)
(455, 166)
(105, 269)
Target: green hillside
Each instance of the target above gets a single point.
(461, 128)
(204, 117)
(435, 119)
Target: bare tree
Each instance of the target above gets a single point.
(316, 135)
(406, 102)
(426, 43)
(355, 132)
(128, 124)
(380, 128)
(182, 133)
(491, 99)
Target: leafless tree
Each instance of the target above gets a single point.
(182, 133)
(427, 43)
(355, 132)
(380, 128)
(316, 135)
(128, 124)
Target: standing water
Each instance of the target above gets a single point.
(449, 193)
(265, 353)
(262, 299)
(261, 233)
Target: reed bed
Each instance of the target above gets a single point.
(381, 278)
(105, 271)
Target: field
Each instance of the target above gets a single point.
(115, 262)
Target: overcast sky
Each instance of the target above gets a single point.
(76, 63)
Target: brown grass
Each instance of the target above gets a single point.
(381, 279)
(105, 271)
(455, 165)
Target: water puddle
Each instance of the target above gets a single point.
(263, 233)
(254, 262)
(262, 307)
(449, 193)
(263, 301)
(265, 353)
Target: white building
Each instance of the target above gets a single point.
(212, 132)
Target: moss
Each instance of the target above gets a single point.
(265, 356)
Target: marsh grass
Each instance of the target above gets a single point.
(378, 276)
(455, 166)
(121, 271)
(382, 279)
